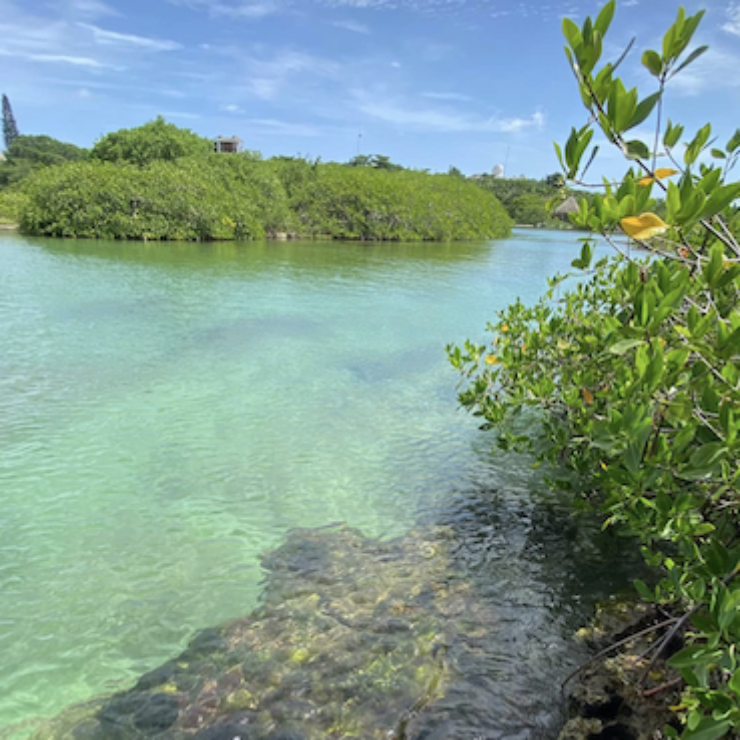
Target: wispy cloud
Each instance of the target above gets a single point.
(716, 70)
(352, 26)
(221, 8)
(58, 59)
(273, 126)
(733, 23)
(415, 118)
(112, 38)
(91, 9)
(266, 77)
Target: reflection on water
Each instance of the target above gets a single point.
(169, 412)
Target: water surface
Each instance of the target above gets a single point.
(169, 411)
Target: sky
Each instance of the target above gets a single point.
(429, 83)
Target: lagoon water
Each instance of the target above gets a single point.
(169, 411)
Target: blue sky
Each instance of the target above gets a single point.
(430, 83)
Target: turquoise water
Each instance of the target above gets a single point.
(169, 411)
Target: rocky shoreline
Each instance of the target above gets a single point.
(622, 694)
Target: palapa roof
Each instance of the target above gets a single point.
(568, 206)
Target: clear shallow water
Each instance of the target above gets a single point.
(168, 412)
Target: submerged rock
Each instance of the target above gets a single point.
(353, 639)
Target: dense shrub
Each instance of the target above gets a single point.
(12, 203)
(29, 153)
(214, 197)
(628, 383)
(219, 196)
(156, 140)
(367, 203)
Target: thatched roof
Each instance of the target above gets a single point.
(568, 206)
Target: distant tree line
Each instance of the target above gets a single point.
(528, 201)
(159, 181)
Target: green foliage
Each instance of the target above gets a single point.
(367, 203)
(28, 153)
(529, 209)
(12, 203)
(377, 161)
(241, 197)
(528, 201)
(156, 140)
(44, 150)
(214, 197)
(629, 380)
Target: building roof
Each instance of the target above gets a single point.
(568, 206)
(233, 139)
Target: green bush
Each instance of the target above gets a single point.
(156, 140)
(628, 383)
(29, 153)
(220, 196)
(366, 203)
(12, 203)
(214, 197)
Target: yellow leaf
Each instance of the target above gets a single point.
(588, 397)
(505, 328)
(491, 360)
(644, 226)
(660, 174)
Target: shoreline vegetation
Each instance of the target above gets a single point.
(160, 182)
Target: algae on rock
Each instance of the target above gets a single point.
(352, 639)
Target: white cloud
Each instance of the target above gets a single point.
(441, 120)
(111, 38)
(83, 93)
(91, 8)
(733, 24)
(716, 70)
(514, 125)
(264, 88)
(58, 59)
(243, 10)
(272, 126)
(265, 78)
(352, 26)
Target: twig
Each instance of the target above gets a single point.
(663, 687)
(603, 653)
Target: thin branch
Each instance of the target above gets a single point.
(605, 652)
(663, 687)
